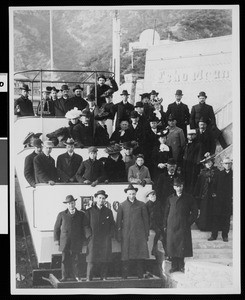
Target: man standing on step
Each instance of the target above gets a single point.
(69, 234)
(222, 203)
(180, 213)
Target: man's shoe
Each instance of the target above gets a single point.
(172, 270)
(212, 238)
(63, 279)
(225, 239)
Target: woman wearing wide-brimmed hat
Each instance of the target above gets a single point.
(73, 116)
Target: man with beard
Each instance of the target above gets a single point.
(23, 106)
(29, 165)
(68, 163)
(77, 100)
(61, 104)
(205, 138)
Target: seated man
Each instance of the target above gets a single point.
(77, 100)
(68, 163)
(122, 134)
(138, 173)
(29, 165)
(44, 165)
(91, 171)
(114, 165)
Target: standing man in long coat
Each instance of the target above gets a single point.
(180, 213)
(222, 208)
(69, 234)
(133, 231)
(23, 106)
(123, 108)
(102, 226)
(181, 112)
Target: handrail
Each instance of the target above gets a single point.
(222, 107)
(79, 183)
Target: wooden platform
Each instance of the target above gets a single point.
(111, 282)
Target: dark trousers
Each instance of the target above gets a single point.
(101, 266)
(178, 263)
(140, 268)
(222, 223)
(69, 265)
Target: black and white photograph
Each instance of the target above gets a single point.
(124, 147)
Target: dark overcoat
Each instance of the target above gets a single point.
(69, 230)
(158, 157)
(115, 170)
(116, 136)
(48, 108)
(206, 141)
(68, 165)
(101, 89)
(26, 107)
(44, 168)
(202, 110)
(123, 111)
(91, 170)
(75, 101)
(29, 169)
(137, 134)
(102, 227)
(133, 229)
(101, 136)
(181, 113)
(83, 135)
(180, 214)
(224, 194)
(60, 107)
(108, 108)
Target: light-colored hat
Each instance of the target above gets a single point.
(48, 143)
(74, 113)
(191, 131)
(227, 159)
(69, 141)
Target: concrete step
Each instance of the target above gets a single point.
(212, 253)
(204, 244)
(197, 234)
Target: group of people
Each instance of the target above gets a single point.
(173, 150)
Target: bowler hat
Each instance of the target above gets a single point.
(203, 119)
(92, 149)
(48, 143)
(153, 92)
(179, 93)
(25, 87)
(69, 141)
(101, 192)
(90, 97)
(74, 113)
(153, 118)
(150, 192)
(145, 95)
(134, 114)
(139, 104)
(101, 116)
(37, 143)
(202, 94)
(171, 161)
(171, 117)
(54, 89)
(47, 89)
(113, 149)
(77, 87)
(125, 92)
(101, 76)
(130, 187)
(178, 181)
(30, 135)
(128, 145)
(69, 199)
(64, 87)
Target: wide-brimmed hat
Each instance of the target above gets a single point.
(77, 87)
(101, 116)
(92, 149)
(101, 76)
(153, 92)
(101, 192)
(202, 94)
(125, 92)
(139, 104)
(30, 135)
(145, 95)
(113, 149)
(25, 87)
(62, 131)
(171, 117)
(191, 131)
(171, 161)
(69, 199)
(130, 187)
(179, 93)
(128, 145)
(69, 141)
(37, 143)
(150, 192)
(163, 133)
(74, 113)
(48, 143)
(134, 114)
(64, 87)
(207, 157)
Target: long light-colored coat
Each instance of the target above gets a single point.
(133, 229)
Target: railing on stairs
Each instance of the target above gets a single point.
(223, 115)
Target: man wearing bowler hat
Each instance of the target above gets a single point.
(69, 234)
(123, 108)
(44, 165)
(23, 106)
(180, 110)
(102, 87)
(137, 130)
(61, 104)
(46, 105)
(77, 100)
(69, 162)
(139, 107)
(102, 229)
(133, 231)
(29, 165)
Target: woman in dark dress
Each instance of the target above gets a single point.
(101, 135)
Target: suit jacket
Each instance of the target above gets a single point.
(26, 107)
(176, 140)
(44, 168)
(202, 110)
(69, 230)
(67, 166)
(137, 133)
(123, 111)
(91, 170)
(29, 169)
(181, 112)
(116, 136)
(83, 135)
